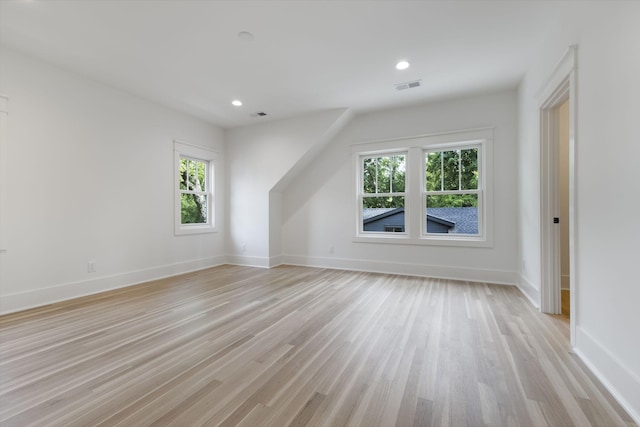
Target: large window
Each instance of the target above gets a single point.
(194, 189)
(425, 190)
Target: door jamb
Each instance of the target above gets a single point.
(562, 85)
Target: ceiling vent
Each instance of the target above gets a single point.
(408, 85)
(259, 114)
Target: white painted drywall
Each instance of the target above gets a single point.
(319, 206)
(259, 158)
(91, 177)
(607, 177)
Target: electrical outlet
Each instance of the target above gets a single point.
(331, 249)
(91, 267)
(244, 247)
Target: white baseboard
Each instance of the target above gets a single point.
(530, 291)
(45, 296)
(436, 271)
(248, 261)
(275, 261)
(254, 261)
(618, 379)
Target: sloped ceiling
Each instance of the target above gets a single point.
(305, 55)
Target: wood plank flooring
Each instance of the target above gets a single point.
(294, 346)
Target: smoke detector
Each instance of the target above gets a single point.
(408, 85)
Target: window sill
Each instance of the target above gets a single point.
(194, 229)
(473, 242)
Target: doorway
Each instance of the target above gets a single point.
(558, 141)
(562, 112)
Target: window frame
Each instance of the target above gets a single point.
(362, 195)
(193, 152)
(415, 187)
(480, 191)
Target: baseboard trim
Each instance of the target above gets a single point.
(248, 261)
(275, 261)
(500, 277)
(618, 379)
(37, 298)
(530, 291)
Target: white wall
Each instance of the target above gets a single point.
(91, 177)
(607, 226)
(319, 206)
(260, 159)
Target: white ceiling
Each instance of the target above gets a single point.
(306, 55)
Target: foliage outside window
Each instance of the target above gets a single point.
(194, 202)
(194, 172)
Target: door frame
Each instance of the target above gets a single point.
(561, 86)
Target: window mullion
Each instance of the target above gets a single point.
(413, 189)
(459, 169)
(376, 181)
(441, 170)
(391, 176)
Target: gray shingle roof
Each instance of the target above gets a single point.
(465, 219)
(369, 213)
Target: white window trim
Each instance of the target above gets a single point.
(415, 227)
(182, 149)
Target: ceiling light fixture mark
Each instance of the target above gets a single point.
(245, 36)
(402, 65)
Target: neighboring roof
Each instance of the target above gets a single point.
(440, 221)
(463, 220)
(374, 214)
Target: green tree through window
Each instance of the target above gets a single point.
(455, 171)
(193, 191)
(383, 181)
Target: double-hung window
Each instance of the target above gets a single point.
(383, 192)
(451, 190)
(194, 189)
(432, 189)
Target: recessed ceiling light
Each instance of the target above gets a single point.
(402, 65)
(236, 103)
(245, 36)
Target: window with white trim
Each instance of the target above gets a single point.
(451, 191)
(194, 189)
(383, 191)
(432, 189)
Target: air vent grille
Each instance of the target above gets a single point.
(408, 85)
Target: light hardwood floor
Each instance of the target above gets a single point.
(296, 346)
(565, 300)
